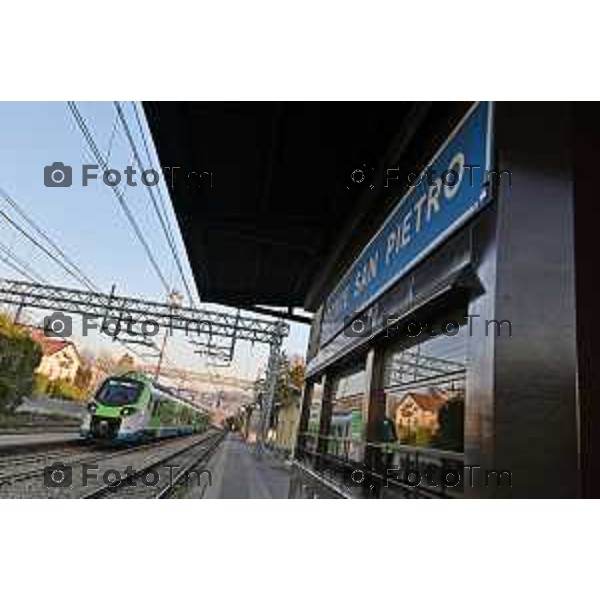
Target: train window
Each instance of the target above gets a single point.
(119, 392)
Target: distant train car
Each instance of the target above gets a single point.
(133, 408)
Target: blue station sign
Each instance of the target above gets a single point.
(439, 200)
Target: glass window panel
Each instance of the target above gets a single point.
(314, 417)
(424, 387)
(346, 426)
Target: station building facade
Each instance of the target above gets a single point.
(451, 354)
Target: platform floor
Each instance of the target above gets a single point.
(238, 473)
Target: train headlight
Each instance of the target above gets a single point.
(127, 411)
(92, 406)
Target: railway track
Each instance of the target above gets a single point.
(72, 455)
(34, 456)
(77, 459)
(190, 458)
(19, 450)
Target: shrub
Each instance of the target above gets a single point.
(450, 435)
(41, 383)
(19, 357)
(65, 390)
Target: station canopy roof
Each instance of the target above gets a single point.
(264, 191)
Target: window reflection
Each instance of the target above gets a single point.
(424, 386)
(346, 426)
(311, 434)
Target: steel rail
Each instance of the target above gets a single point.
(172, 486)
(111, 489)
(32, 457)
(9, 479)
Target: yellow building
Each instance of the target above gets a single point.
(417, 411)
(60, 359)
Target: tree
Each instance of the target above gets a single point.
(60, 388)
(40, 385)
(451, 419)
(297, 372)
(290, 379)
(19, 357)
(83, 377)
(125, 364)
(106, 363)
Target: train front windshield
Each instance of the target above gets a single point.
(119, 392)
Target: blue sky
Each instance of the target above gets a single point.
(88, 222)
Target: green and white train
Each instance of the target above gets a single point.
(132, 408)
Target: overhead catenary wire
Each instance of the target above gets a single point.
(85, 132)
(15, 206)
(163, 220)
(30, 272)
(160, 194)
(112, 138)
(14, 261)
(93, 148)
(149, 159)
(37, 244)
(15, 267)
(26, 270)
(42, 240)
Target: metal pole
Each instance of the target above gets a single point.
(270, 385)
(18, 314)
(160, 356)
(174, 300)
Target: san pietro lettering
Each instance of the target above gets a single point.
(449, 190)
(424, 209)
